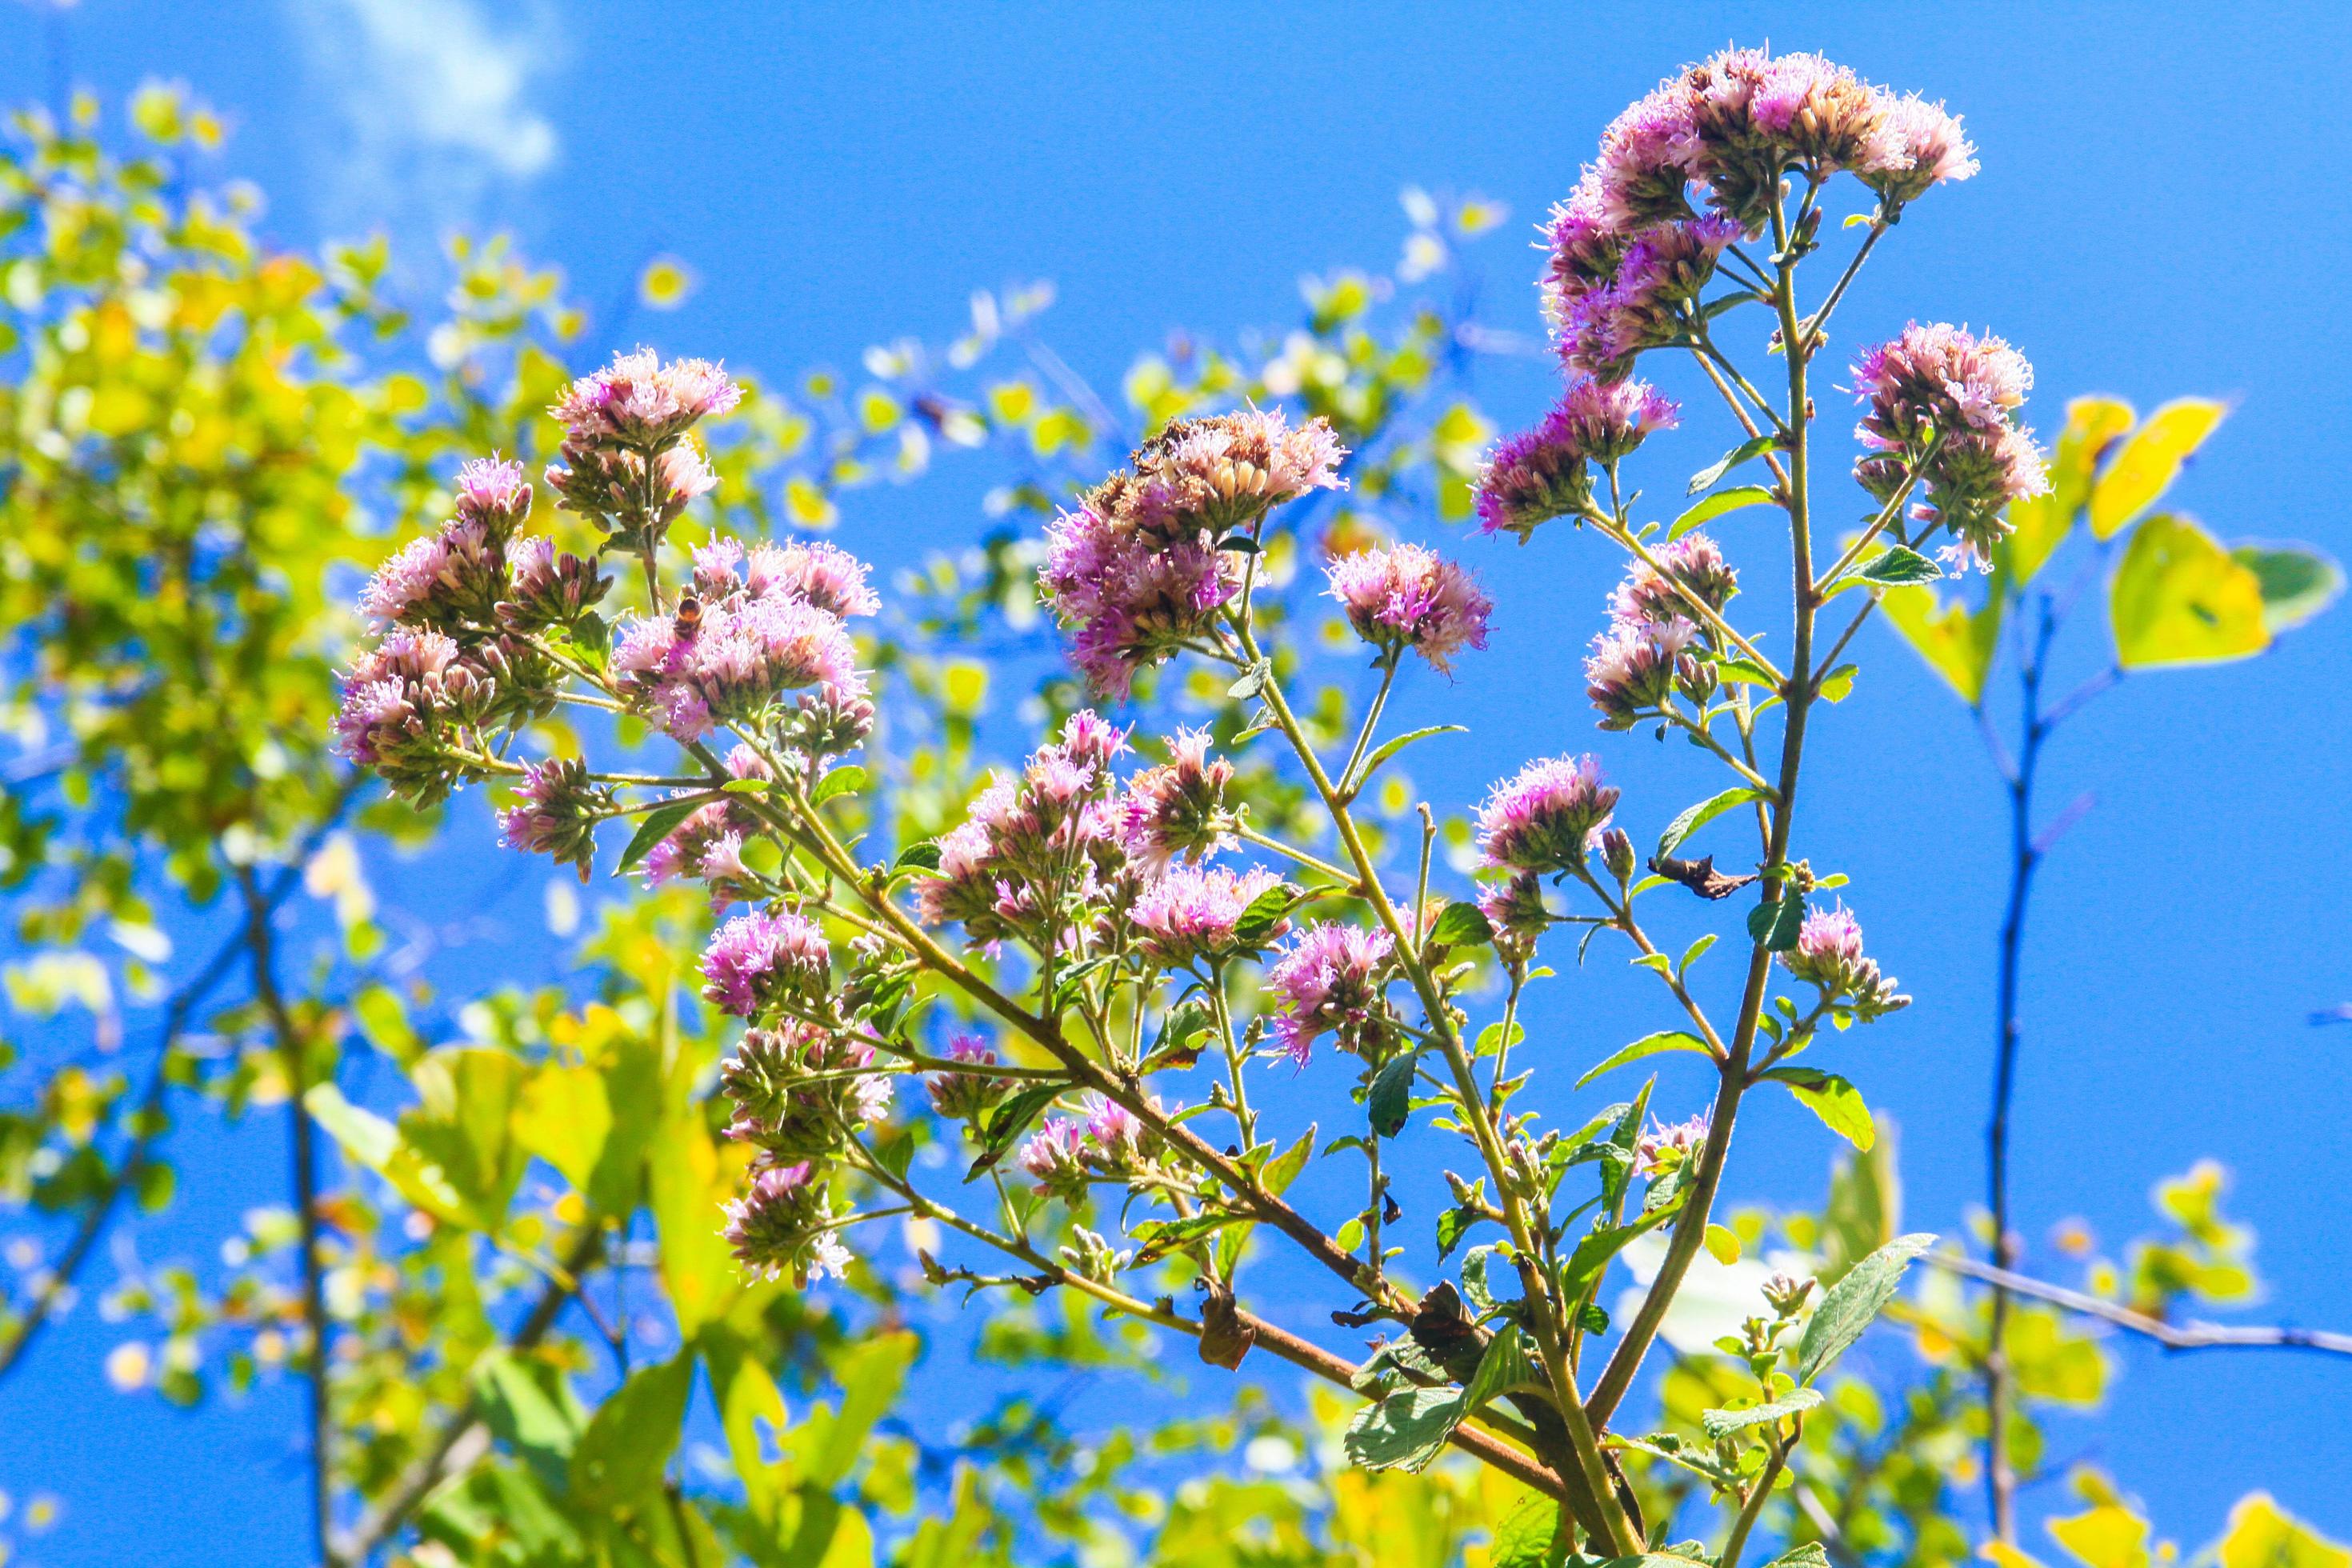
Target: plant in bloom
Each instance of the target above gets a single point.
(1410, 598)
(1147, 938)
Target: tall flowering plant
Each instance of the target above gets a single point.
(1148, 968)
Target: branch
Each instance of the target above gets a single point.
(2187, 1336)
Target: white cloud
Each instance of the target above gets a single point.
(434, 105)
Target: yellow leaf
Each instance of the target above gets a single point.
(1957, 643)
(2180, 598)
(2105, 1537)
(563, 1117)
(2093, 425)
(2003, 1555)
(2146, 466)
(689, 1182)
(809, 506)
(2263, 1535)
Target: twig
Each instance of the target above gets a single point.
(2187, 1336)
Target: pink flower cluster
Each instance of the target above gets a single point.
(557, 813)
(1190, 914)
(970, 1091)
(799, 1089)
(1945, 401)
(1546, 473)
(1829, 956)
(1409, 597)
(707, 845)
(628, 462)
(747, 640)
(1062, 1153)
(1694, 565)
(1547, 817)
(785, 1227)
(1178, 808)
(1330, 981)
(1659, 1150)
(758, 958)
(1636, 668)
(1135, 574)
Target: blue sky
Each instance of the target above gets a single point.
(2156, 217)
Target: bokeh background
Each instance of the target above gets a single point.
(2159, 213)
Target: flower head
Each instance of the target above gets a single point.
(1828, 955)
(824, 575)
(1694, 564)
(1178, 808)
(966, 1094)
(1943, 401)
(1547, 816)
(494, 494)
(1545, 473)
(1636, 666)
(545, 589)
(1055, 1155)
(639, 401)
(1641, 306)
(1409, 597)
(1934, 150)
(1661, 1148)
(1193, 912)
(1330, 981)
(756, 958)
(557, 813)
(784, 1225)
(1516, 911)
(799, 1089)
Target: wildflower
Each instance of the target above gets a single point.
(1634, 669)
(1330, 982)
(825, 575)
(1934, 150)
(1054, 1156)
(1649, 154)
(557, 813)
(831, 720)
(1116, 1140)
(784, 1225)
(1659, 1150)
(1547, 816)
(968, 1094)
(638, 401)
(1828, 955)
(1645, 304)
(494, 494)
(548, 590)
(799, 1089)
(1647, 597)
(1409, 597)
(757, 958)
(410, 704)
(1221, 471)
(1191, 913)
(732, 665)
(1178, 808)
(449, 580)
(1544, 474)
(1943, 387)
(1516, 911)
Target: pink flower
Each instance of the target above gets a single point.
(1178, 808)
(1663, 1149)
(824, 575)
(1647, 597)
(962, 1095)
(1408, 598)
(1192, 913)
(1516, 911)
(391, 695)
(1547, 816)
(755, 957)
(1544, 474)
(1641, 307)
(558, 814)
(1942, 380)
(784, 1224)
(1828, 955)
(1636, 666)
(1055, 1156)
(1934, 150)
(1330, 982)
(642, 402)
(494, 494)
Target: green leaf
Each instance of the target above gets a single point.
(1848, 1307)
(563, 1117)
(1754, 446)
(1694, 817)
(377, 1144)
(1838, 684)
(651, 828)
(1462, 925)
(1251, 681)
(2177, 598)
(828, 1444)
(1506, 1365)
(529, 1404)
(1722, 1244)
(1389, 749)
(1285, 1168)
(1746, 670)
(1528, 1536)
(1404, 1431)
(1896, 566)
(688, 1185)
(1647, 1046)
(627, 1446)
(924, 857)
(1267, 910)
(1812, 1554)
(1715, 505)
(849, 776)
(746, 1396)
(2144, 466)
(1721, 1424)
(1008, 1121)
(1391, 1099)
(1592, 1254)
(1956, 642)
(1774, 926)
(2297, 582)
(1836, 1101)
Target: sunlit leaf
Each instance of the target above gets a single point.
(2178, 598)
(2297, 582)
(2147, 462)
(1956, 642)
